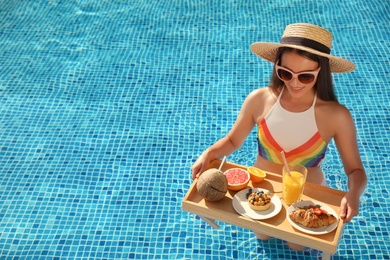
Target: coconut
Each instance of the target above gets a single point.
(212, 185)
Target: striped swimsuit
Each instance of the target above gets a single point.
(294, 133)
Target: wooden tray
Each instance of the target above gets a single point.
(277, 226)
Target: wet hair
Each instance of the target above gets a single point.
(324, 83)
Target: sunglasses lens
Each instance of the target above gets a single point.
(284, 75)
(306, 78)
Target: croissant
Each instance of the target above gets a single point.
(308, 218)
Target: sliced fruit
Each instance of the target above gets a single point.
(256, 174)
(237, 178)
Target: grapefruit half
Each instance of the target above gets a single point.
(237, 178)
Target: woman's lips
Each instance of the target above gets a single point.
(295, 90)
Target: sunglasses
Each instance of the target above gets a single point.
(305, 77)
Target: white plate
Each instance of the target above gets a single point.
(312, 231)
(240, 204)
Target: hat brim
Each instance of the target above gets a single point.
(268, 51)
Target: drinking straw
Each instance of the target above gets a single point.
(285, 162)
(223, 161)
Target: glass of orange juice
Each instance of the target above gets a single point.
(293, 183)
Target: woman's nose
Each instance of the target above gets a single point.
(295, 81)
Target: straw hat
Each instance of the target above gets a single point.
(307, 37)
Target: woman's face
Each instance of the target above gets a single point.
(297, 64)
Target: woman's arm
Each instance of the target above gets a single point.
(345, 139)
(235, 138)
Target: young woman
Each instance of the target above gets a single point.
(298, 113)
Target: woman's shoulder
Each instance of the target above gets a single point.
(262, 94)
(258, 102)
(333, 106)
(333, 118)
(333, 109)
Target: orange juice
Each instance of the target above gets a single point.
(293, 184)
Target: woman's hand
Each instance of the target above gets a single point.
(200, 165)
(349, 207)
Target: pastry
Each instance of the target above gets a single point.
(259, 200)
(312, 217)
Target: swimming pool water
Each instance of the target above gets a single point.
(105, 105)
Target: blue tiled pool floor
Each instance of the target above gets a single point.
(106, 104)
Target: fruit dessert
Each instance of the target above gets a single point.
(259, 200)
(312, 216)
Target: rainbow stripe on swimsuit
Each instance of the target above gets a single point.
(309, 154)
